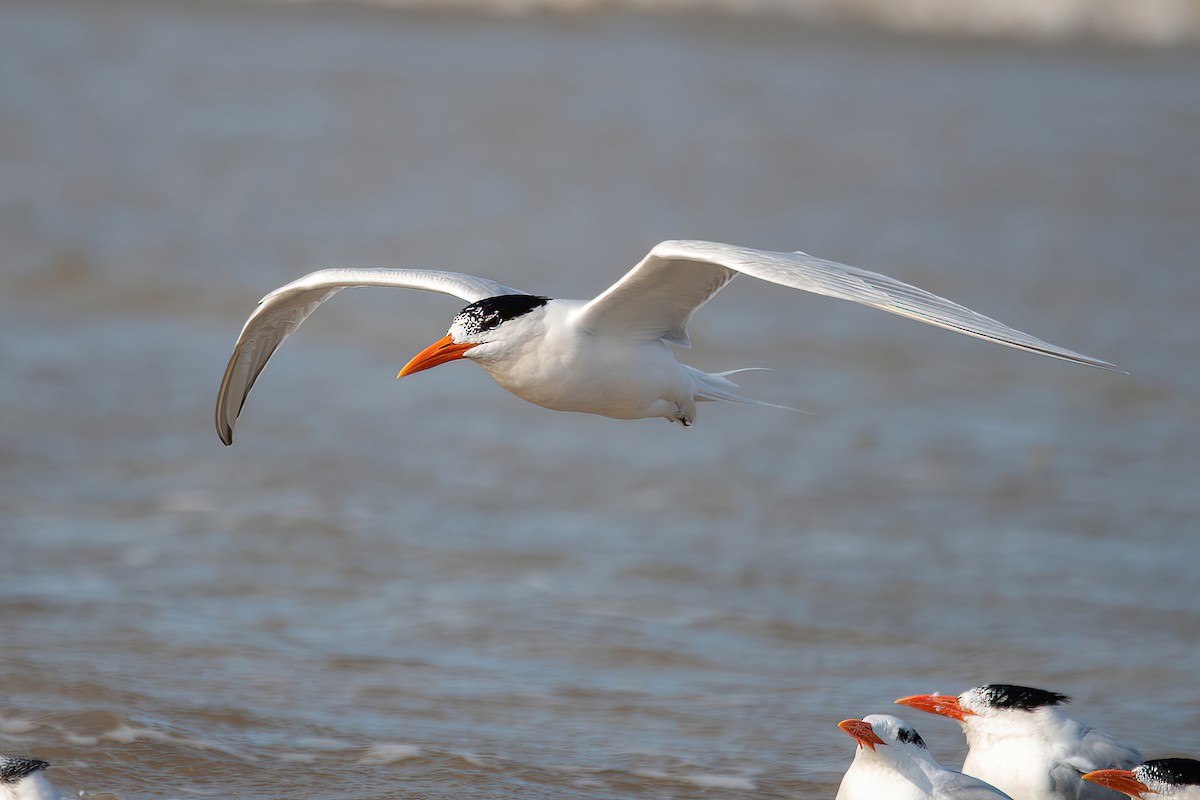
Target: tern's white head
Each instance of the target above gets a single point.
(1020, 740)
(883, 730)
(1166, 777)
(1004, 715)
(898, 734)
(888, 761)
(996, 701)
(489, 330)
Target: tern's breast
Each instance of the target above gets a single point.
(568, 369)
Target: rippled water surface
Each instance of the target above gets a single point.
(428, 588)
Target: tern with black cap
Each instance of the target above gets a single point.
(892, 762)
(610, 355)
(1174, 778)
(1020, 741)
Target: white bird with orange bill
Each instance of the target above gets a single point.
(1020, 740)
(611, 355)
(893, 763)
(1175, 778)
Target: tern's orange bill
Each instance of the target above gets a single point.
(862, 732)
(942, 704)
(1119, 780)
(440, 352)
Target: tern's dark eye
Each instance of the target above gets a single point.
(910, 736)
(487, 314)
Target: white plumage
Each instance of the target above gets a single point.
(893, 763)
(1020, 741)
(610, 355)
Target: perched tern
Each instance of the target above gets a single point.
(22, 779)
(609, 355)
(893, 763)
(1020, 741)
(1178, 778)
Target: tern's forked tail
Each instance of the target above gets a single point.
(716, 386)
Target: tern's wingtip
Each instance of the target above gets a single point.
(1104, 365)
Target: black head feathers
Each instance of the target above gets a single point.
(1173, 771)
(1024, 698)
(13, 770)
(488, 313)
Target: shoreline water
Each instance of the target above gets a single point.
(428, 588)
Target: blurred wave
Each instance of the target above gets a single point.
(1140, 22)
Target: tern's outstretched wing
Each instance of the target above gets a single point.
(656, 298)
(281, 312)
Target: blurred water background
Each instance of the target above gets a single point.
(428, 588)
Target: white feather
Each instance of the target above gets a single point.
(607, 356)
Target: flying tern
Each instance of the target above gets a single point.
(1176, 778)
(609, 355)
(893, 763)
(22, 779)
(1020, 741)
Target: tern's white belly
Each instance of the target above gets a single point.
(572, 370)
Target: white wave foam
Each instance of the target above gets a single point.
(16, 726)
(703, 780)
(127, 734)
(1146, 22)
(380, 754)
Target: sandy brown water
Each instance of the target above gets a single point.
(428, 588)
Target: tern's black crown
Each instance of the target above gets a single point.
(1024, 698)
(13, 770)
(1174, 771)
(488, 313)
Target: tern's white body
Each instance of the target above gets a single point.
(1042, 754)
(1169, 792)
(871, 776)
(1173, 792)
(560, 366)
(609, 355)
(1021, 741)
(900, 767)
